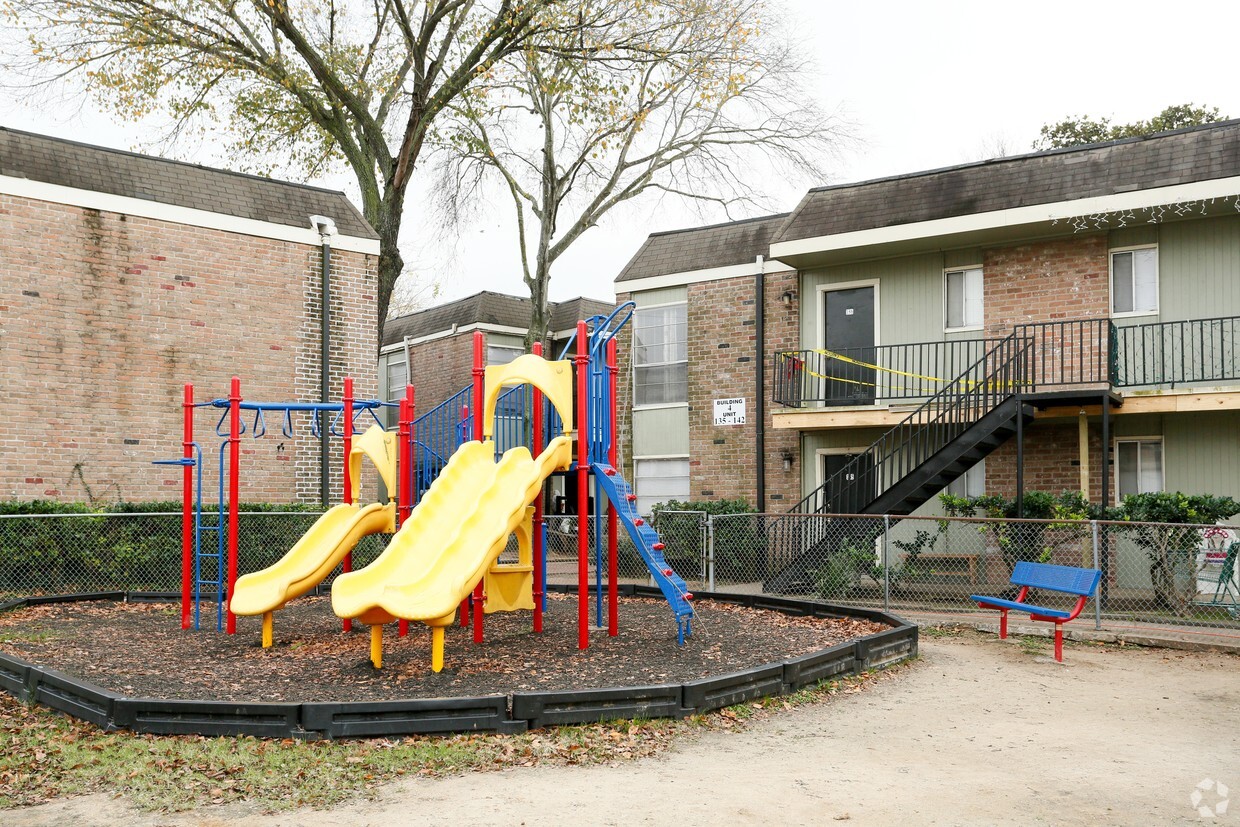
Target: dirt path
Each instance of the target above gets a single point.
(979, 732)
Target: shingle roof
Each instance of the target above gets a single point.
(487, 308)
(700, 248)
(82, 166)
(1182, 156)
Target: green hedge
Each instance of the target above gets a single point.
(124, 546)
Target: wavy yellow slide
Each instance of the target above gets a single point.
(310, 560)
(449, 541)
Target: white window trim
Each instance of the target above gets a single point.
(946, 315)
(819, 453)
(1115, 442)
(661, 406)
(821, 308)
(633, 366)
(1131, 314)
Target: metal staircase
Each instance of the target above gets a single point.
(957, 427)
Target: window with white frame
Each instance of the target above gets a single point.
(502, 354)
(971, 483)
(1138, 466)
(659, 480)
(660, 355)
(1134, 280)
(962, 291)
(396, 375)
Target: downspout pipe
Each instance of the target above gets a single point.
(326, 228)
(760, 362)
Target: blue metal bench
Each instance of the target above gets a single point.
(1065, 579)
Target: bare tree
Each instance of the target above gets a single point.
(676, 98)
(307, 83)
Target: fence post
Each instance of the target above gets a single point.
(886, 565)
(708, 537)
(1093, 530)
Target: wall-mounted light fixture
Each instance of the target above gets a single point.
(786, 456)
(787, 297)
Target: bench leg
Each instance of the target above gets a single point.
(1003, 624)
(1059, 642)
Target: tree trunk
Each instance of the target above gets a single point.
(391, 264)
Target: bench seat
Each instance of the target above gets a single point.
(1028, 575)
(1000, 603)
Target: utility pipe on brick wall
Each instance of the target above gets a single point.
(760, 360)
(326, 228)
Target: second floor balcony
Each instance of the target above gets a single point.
(1062, 355)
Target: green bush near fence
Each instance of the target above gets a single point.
(122, 546)
(740, 545)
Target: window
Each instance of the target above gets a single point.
(659, 480)
(397, 377)
(502, 354)
(1138, 466)
(963, 295)
(1134, 281)
(660, 356)
(971, 483)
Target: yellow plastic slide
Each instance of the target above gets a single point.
(450, 540)
(310, 560)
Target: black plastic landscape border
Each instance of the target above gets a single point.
(33, 684)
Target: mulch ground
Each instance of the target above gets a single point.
(139, 650)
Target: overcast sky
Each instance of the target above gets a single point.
(924, 84)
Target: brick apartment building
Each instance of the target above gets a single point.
(1054, 321)
(438, 342)
(124, 276)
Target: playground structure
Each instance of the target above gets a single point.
(444, 553)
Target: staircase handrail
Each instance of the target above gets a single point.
(962, 387)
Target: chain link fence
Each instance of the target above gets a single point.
(1158, 573)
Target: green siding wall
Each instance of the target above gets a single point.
(1199, 269)
(1202, 453)
(910, 297)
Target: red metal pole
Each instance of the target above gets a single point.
(346, 428)
(613, 562)
(582, 361)
(187, 506)
(234, 487)
(539, 552)
(405, 485)
(479, 411)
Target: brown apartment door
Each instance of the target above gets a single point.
(849, 331)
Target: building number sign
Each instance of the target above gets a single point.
(730, 411)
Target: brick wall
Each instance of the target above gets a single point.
(722, 332)
(1045, 281)
(441, 367)
(104, 317)
(1052, 454)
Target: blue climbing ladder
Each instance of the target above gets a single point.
(648, 545)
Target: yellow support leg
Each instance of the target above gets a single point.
(436, 648)
(376, 646)
(267, 630)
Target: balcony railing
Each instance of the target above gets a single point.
(862, 376)
(1168, 354)
(1062, 354)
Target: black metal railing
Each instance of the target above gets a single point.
(983, 385)
(862, 376)
(1072, 352)
(1167, 354)
(1067, 353)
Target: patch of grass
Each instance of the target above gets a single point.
(941, 631)
(46, 755)
(1032, 645)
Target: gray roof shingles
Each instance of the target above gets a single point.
(1179, 157)
(700, 248)
(112, 171)
(487, 308)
